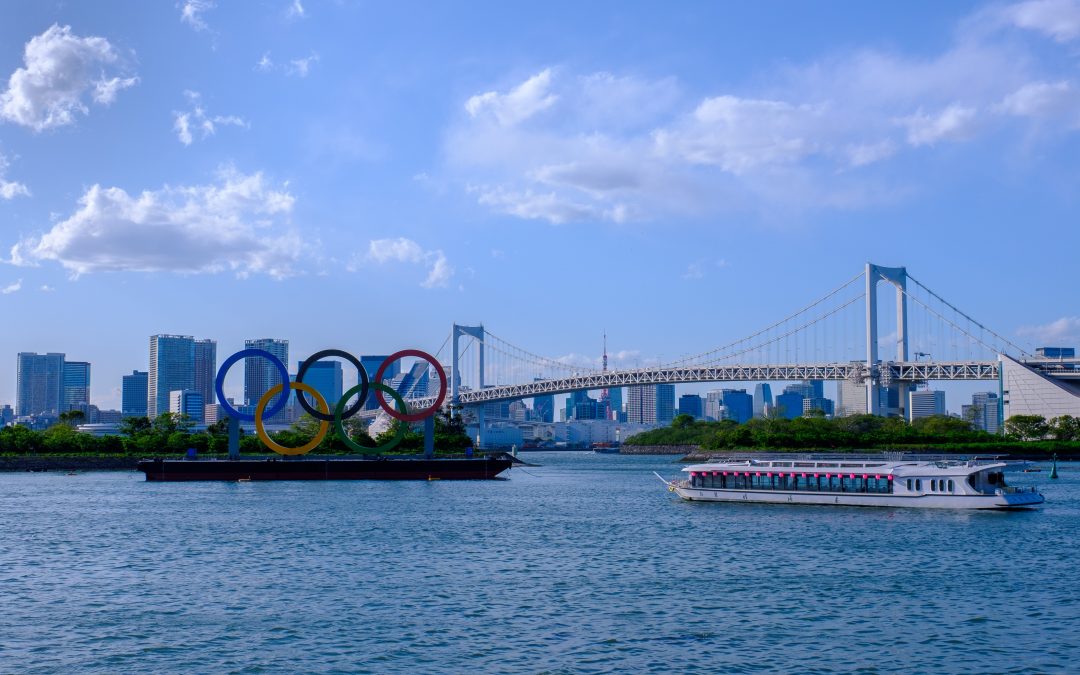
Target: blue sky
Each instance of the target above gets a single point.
(359, 175)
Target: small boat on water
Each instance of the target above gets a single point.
(943, 485)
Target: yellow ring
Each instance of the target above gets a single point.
(281, 449)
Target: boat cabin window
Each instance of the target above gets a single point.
(918, 484)
(792, 481)
(950, 486)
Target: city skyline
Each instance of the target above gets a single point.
(728, 149)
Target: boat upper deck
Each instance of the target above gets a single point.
(898, 468)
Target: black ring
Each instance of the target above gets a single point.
(349, 412)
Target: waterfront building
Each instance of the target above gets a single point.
(823, 404)
(850, 398)
(7, 415)
(260, 375)
(133, 393)
(213, 413)
(496, 410)
(39, 384)
(925, 403)
(412, 383)
(1055, 352)
(76, 385)
(739, 404)
(984, 413)
(1029, 392)
(762, 398)
(581, 406)
(544, 408)
(205, 368)
(641, 404)
(790, 404)
(519, 412)
(172, 368)
(665, 404)
(187, 402)
(692, 405)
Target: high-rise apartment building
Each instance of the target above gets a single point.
(205, 369)
(665, 403)
(925, 403)
(714, 401)
(172, 368)
(823, 405)
(641, 404)
(76, 385)
(39, 384)
(133, 394)
(763, 399)
(260, 375)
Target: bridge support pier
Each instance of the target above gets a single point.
(897, 276)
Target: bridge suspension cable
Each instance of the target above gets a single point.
(514, 351)
(765, 330)
(928, 308)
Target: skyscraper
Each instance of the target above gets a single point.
(39, 384)
(692, 405)
(739, 404)
(172, 368)
(76, 385)
(850, 398)
(665, 403)
(714, 401)
(790, 404)
(260, 375)
(544, 408)
(327, 378)
(984, 413)
(615, 403)
(133, 394)
(762, 398)
(371, 367)
(205, 369)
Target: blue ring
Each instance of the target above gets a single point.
(219, 383)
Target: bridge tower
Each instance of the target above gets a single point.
(897, 276)
(476, 332)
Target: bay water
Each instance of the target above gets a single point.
(585, 563)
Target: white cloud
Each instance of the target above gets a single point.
(185, 124)
(403, 250)
(1066, 329)
(45, 288)
(265, 64)
(10, 189)
(740, 134)
(1042, 99)
(11, 288)
(549, 206)
(59, 69)
(517, 105)
(693, 271)
(192, 10)
(1059, 19)
(295, 10)
(301, 67)
(238, 223)
(955, 123)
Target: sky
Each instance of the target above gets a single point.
(360, 175)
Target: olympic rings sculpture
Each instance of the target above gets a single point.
(322, 411)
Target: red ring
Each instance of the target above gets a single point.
(426, 412)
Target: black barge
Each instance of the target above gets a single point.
(311, 468)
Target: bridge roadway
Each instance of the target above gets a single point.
(897, 371)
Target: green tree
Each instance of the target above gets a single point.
(1065, 428)
(72, 418)
(131, 426)
(1027, 427)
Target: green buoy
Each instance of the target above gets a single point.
(1053, 467)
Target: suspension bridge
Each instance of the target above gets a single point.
(839, 336)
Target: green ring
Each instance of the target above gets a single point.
(339, 411)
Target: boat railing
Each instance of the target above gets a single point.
(1017, 490)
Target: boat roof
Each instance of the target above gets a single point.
(902, 468)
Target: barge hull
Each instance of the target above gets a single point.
(324, 469)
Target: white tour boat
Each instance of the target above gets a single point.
(941, 485)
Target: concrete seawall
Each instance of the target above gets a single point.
(658, 449)
(41, 463)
